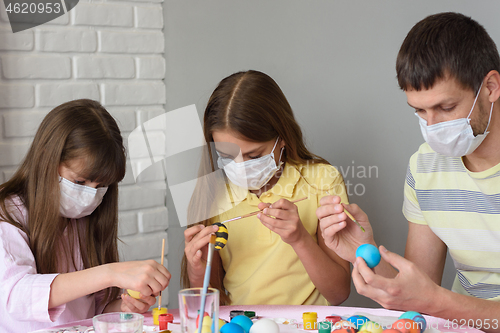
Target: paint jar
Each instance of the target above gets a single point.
(310, 320)
(324, 327)
(164, 319)
(333, 319)
(250, 314)
(234, 313)
(156, 313)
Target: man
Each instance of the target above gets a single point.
(449, 68)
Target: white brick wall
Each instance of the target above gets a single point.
(110, 51)
(148, 17)
(65, 39)
(21, 41)
(109, 67)
(22, 66)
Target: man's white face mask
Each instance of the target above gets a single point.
(454, 137)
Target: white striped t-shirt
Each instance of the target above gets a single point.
(463, 209)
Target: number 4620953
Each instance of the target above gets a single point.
(477, 323)
(34, 8)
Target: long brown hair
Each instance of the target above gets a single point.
(73, 130)
(252, 104)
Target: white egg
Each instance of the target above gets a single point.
(265, 326)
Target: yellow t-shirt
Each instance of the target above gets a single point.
(463, 209)
(261, 268)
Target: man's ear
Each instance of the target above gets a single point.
(493, 85)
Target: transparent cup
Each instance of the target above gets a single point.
(114, 322)
(189, 308)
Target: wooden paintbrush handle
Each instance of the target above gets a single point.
(258, 211)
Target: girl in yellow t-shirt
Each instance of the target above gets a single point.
(279, 255)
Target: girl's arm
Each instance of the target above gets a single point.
(148, 277)
(196, 239)
(27, 294)
(217, 279)
(329, 273)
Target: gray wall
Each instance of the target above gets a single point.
(335, 62)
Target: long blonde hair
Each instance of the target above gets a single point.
(76, 129)
(252, 104)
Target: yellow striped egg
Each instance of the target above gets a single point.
(221, 236)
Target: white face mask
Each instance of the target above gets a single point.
(251, 174)
(454, 137)
(79, 200)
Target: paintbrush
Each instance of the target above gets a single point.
(162, 256)
(256, 212)
(352, 218)
(206, 279)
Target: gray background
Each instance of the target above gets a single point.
(335, 61)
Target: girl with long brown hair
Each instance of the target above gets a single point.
(58, 226)
(278, 256)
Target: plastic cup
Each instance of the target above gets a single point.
(189, 308)
(122, 322)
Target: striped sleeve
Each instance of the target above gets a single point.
(411, 208)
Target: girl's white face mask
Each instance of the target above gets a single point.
(454, 137)
(251, 174)
(78, 201)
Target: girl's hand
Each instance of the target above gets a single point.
(285, 221)
(340, 232)
(130, 304)
(147, 277)
(196, 240)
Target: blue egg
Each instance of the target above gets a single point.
(232, 328)
(358, 320)
(416, 317)
(369, 253)
(243, 321)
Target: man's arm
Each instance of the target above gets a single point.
(426, 250)
(413, 290)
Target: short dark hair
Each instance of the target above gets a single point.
(446, 44)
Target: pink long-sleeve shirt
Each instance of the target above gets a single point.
(24, 294)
